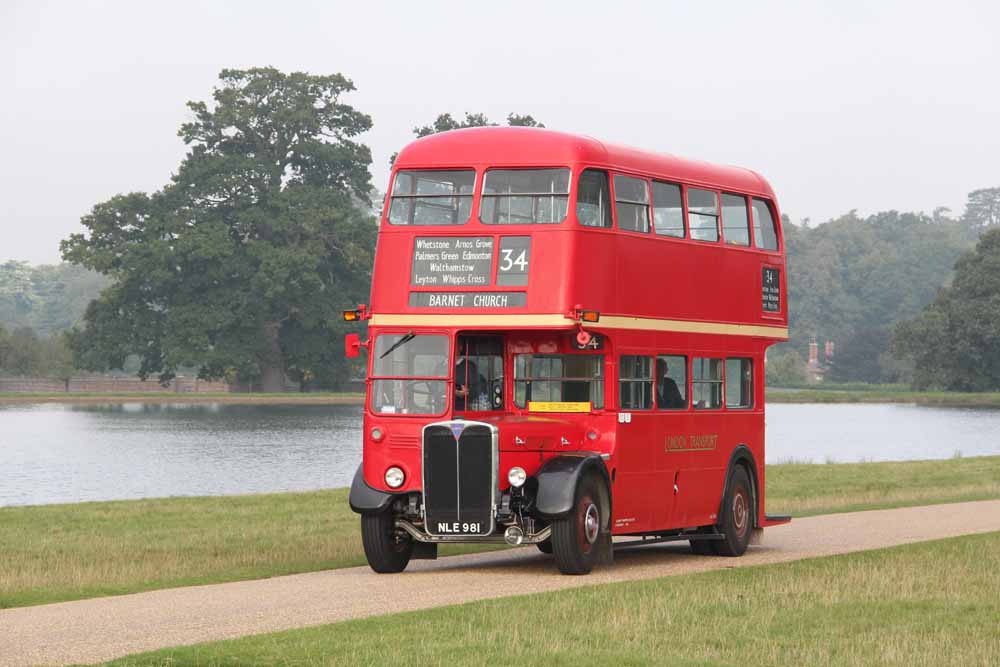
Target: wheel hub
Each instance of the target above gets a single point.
(740, 512)
(591, 523)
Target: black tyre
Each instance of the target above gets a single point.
(545, 547)
(737, 515)
(386, 551)
(578, 536)
(703, 547)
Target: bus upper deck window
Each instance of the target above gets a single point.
(764, 234)
(735, 220)
(668, 212)
(593, 206)
(703, 214)
(524, 196)
(631, 203)
(432, 197)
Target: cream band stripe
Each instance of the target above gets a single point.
(557, 320)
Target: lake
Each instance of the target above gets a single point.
(54, 453)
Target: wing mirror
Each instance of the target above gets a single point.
(353, 345)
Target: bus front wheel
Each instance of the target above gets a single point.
(578, 537)
(737, 515)
(387, 552)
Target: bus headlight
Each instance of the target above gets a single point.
(377, 434)
(394, 477)
(516, 477)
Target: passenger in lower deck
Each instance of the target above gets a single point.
(667, 394)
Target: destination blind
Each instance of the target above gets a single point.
(448, 261)
(468, 299)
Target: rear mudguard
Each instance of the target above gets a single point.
(366, 500)
(558, 478)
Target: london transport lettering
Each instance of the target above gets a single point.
(679, 443)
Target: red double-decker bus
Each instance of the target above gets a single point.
(566, 345)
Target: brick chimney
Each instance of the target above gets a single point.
(828, 351)
(813, 354)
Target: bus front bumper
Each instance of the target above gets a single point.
(507, 537)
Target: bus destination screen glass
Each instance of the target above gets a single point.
(409, 374)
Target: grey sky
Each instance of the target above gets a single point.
(840, 105)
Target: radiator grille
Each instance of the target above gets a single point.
(459, 467)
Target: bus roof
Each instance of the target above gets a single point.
(536, 147)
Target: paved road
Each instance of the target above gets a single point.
(104, 628)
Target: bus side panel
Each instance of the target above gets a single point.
(637, 493)
(702, 481)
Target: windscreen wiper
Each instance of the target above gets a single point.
(402, 341)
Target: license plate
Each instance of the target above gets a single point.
(459, 528)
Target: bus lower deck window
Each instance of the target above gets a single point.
(706, 383)
(635, 382)
(739, 383)
(573, 378)
(671, 382)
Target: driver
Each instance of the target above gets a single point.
(468, 382)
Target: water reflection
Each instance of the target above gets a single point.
(69, 453)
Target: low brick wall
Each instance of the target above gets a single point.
(108, 385)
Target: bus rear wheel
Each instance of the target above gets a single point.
(737, 516)
(387, 552)
(578, 537)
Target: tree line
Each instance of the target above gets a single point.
(857, 281)
(240, 265)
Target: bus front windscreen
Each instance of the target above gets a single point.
(409, 374)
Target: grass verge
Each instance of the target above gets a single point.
(804, 489)
(924, 604)
(52, 553)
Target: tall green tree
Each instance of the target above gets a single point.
(955, 342)
(983, 208)
(241, 264)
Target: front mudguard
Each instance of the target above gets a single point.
(558, 478)
(366, 500)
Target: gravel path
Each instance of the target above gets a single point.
(104, 628)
